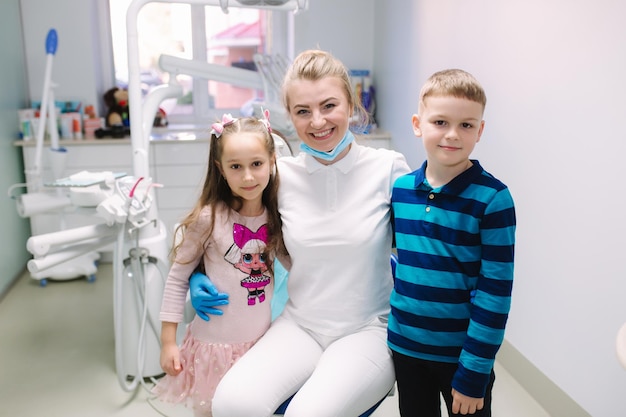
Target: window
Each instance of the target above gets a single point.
(203, 33)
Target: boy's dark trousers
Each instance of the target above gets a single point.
(420, 382)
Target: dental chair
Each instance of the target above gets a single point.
(283, 407)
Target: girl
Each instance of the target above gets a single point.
(232, 232)
(329, 346)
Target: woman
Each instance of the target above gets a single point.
(329, 344)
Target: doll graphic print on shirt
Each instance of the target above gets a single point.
(247, 254)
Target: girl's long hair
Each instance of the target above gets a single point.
(216, 190)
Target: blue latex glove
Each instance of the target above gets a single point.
(280, 289)
(205, 297)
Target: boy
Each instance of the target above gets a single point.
(455, 233)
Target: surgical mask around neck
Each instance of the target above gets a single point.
(347, 139)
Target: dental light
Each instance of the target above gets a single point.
(270, 70)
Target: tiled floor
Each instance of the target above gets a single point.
(57, 358)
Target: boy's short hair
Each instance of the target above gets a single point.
(455, 83)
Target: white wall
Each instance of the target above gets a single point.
(78, 69)
(345, 28)
(554, 72)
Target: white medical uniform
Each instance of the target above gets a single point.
(330, 342)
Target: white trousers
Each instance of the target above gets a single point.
(341, 377)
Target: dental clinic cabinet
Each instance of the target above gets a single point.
(179, 165)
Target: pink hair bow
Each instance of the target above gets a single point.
(217, 128)
(243, 235)
(266, 120)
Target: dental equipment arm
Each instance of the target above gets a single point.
(52, 249)
(232, 75)
(39, 267)
(42, 245)
(153, 101)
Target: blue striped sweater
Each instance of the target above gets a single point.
(452, 240)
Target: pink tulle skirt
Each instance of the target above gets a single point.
(204, 365)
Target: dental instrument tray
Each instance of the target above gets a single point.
(86, 179)
(87, 188)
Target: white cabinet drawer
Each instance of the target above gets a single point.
(180, 153)
(180, 176)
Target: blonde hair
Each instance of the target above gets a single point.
(454, 83)
(315, 64)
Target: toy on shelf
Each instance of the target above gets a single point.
(117, 118)
(116, 100)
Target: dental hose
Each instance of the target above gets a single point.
(137, 274)
(138, 265)
(117, 313)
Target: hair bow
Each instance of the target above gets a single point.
(217, 128)
(243, 235)
(266, 119)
